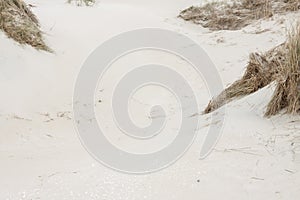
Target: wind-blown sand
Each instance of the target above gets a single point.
(41, 155)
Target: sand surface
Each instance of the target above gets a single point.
(42, 157)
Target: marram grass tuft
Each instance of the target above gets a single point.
(20, 24)
(280, 65)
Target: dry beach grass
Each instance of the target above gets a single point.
(82, 2)
(280, 65)
(20, 24)
(236, 14)
(287, 92)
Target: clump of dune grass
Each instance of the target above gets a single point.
(291, 5)
(280, 65)
(20, 24)
(82, 2)
(287, 92)
(262, 69)
(235, 15)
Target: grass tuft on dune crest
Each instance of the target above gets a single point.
(237, 14)
(82, 2)
(280, 65)
(20, 24)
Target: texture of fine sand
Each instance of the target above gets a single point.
(41, 156)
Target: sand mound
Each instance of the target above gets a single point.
(237, 14)
(20, 24)
(282, 65)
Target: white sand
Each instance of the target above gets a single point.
(42, 158)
